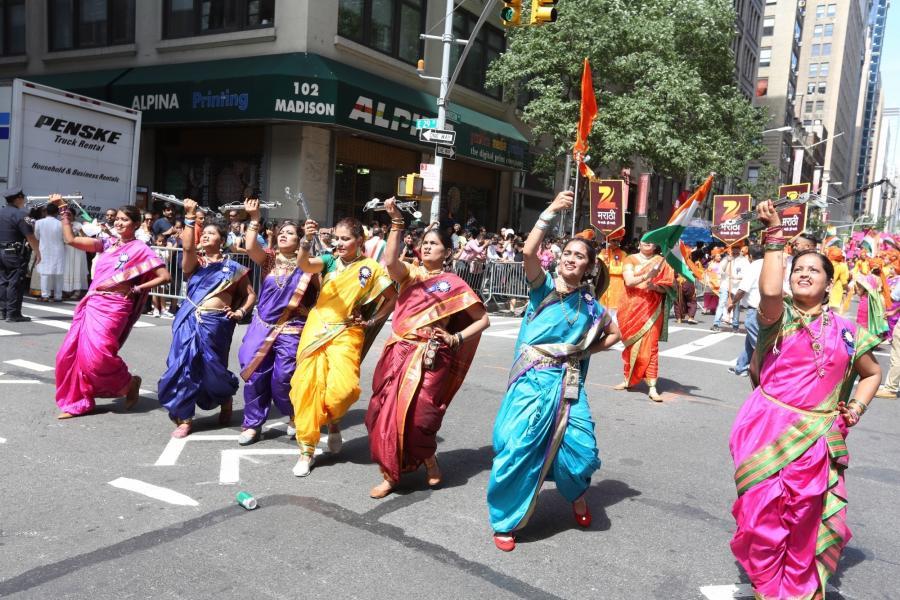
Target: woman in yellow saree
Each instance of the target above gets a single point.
(326, 382)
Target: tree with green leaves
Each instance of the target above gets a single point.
(663, 71)
(766, 185)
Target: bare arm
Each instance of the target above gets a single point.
(251, 243)
(611, 337)
(634, 280)
(189, 250)
(307, 263)
(81, 243)
(771, 278)
(869, 372)
(245, 296)
(395, 267)
(533, 270)
(161, 276)
(480, 322)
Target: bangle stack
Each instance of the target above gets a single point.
(189, 222)
(398, 224)
(775, 241)
(305, 244)
(253, 226)
(545, 221)
(857, 408)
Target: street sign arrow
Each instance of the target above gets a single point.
(445, 151)
(446, 137)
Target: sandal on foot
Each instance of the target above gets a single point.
(654, 395)
(505, 542)
(183, 430)
(582, 519)
(304, 466)
(382, 489)
(433, 472)
(225, 413)
(248, 436)
(134, 392)
(65, 415)
(621, 386)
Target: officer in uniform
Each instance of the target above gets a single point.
(16, 235)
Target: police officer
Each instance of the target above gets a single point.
(14, 233)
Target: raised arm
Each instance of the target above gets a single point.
(188, 248)
(533, 270)
(79, 242)
(307, 263)
(771, 278)
(251, 242)
(395, 267)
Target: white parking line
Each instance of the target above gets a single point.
(27, 364)
(153, 491)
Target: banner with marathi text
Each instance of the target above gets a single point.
(609, 199)
(793, 218)
(727, 208)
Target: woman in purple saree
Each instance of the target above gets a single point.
(268, 354)
(788, 439)
(88, 365)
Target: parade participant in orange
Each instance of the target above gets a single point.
(841, 277)
(643, 316)
(712, 280)
(614, 257)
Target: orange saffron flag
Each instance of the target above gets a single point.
(585, 120)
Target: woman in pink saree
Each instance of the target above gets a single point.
(788, 441)
(88, 365)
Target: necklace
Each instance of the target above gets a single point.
(562, 305)
(284, 268)
(815, 340)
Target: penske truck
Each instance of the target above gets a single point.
(53, 141)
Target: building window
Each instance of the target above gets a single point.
(752, 175)
(488, 46)
(762, 86)
(12, 27)
(820, 11)
(816, 49)
(75, 24)
(832, 10)
(765, 57)
(768, 25)
(823, 69)
(808, 106)
(822, 87)
(813, 69)
(810, 89)
(829, 30)
(820, 105)
(826, 49)
(389, 26)
(817, 31)
(186, 18)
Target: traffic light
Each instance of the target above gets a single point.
(410, 186)
(511, 13)
(543, 11)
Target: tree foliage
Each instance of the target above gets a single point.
(663, 71)
(766, 185)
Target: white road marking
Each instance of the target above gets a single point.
(2, 440)
(58, 324)
(503, 333)
(740, 590)
(704, 342)
(153, 491)
(50, 309)
(172, 451)
(7, 332)
(22, 381)
(62, 311)
(27, 364)
(230, 468)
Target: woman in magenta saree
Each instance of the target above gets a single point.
(788, 439)
(88, 365)
(436, 327)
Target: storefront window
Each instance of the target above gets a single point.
(77, 24)
(185, 18)
(12, 27)
(389, 26)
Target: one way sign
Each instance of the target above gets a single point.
(446, 137)
(445, 151)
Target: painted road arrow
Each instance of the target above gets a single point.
(446, 137)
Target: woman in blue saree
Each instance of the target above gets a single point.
(544, 429)
(197, 367)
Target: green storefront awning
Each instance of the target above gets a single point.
(293, 87)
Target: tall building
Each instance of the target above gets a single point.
(872, 91)
(319, 96)
(886, 159)
(745, 44)
(831, 61)
(776, 82)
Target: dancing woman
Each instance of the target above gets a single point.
(88, 364)
(268, 354)
(788, 441)
(544, 428)
(436, 327)
(643, 316)
(197, 366)
(874, 297)
(326, 382)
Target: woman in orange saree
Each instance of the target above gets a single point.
(435, 331)
(643, 316)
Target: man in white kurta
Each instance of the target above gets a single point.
(48, 231)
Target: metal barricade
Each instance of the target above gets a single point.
(177, 287)
(503, 281)
(473, 273)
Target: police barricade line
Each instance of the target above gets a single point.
(177, 287)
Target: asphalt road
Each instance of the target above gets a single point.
(661, 501)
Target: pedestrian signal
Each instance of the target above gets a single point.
(511, 13)
(410, 186)
(543, 11)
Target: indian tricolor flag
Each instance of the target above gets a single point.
(667, 237)
(871, 243)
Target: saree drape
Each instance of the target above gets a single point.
(615, 261)
(643, 320)
(789, 453)
(409, 400)
(870, 312)
(544, 428)
(326, 381)
(197, 366)
(88, 365)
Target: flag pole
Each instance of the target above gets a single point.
(575, 201)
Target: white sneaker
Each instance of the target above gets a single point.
(335, 442)
(155, 313)
(291, 430)
(303, 466)
(167, 315)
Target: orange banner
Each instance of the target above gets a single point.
(608, 200)
(726, 208)
(793, 218)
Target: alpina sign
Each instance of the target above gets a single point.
(726, 209)
(793, 218)
(609, 198)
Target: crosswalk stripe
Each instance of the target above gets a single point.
(58, 324)
(27, 364)
(7, 332)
